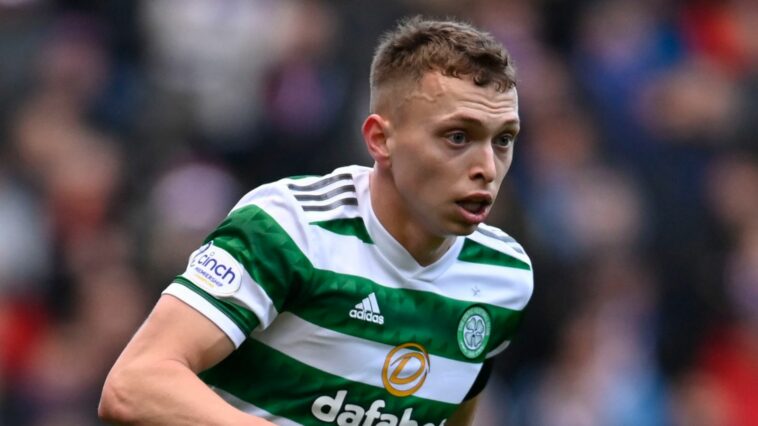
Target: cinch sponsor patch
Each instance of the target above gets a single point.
(214, 270)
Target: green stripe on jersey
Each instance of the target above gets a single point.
(265, 250)
(349, 226)
(332, 295)
(244, 318)
(291, 387)
(478, 253)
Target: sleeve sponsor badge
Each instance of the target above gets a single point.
(214, 270)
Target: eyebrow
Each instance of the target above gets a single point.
(473, 120)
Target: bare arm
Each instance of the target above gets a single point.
(154, 381)
(464, 415)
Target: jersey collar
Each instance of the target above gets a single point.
(398, 256)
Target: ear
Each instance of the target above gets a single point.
(376, 134)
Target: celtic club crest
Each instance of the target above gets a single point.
(474, 331)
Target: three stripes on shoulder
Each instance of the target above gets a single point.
(312, 200)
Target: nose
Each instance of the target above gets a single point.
(484, 164)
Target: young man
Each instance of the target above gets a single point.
(363, 297)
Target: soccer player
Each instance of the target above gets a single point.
(368, 296)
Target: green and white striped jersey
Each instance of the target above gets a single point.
(334, 322)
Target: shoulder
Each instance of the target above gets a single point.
(496, 241)
(293, 203)
(308, 193)
(494, 257)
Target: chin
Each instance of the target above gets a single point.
(462, 229)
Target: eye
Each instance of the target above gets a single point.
(457, 138)
(505, 140)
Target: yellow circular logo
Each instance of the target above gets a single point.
(405, 369)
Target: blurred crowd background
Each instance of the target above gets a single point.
(128, 129)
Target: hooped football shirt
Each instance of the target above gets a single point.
(332, 319)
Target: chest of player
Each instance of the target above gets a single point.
(399, 337)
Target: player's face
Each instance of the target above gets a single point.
(450, 148)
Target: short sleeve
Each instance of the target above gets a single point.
(248, 267)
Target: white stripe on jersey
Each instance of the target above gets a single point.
(252, 296)
(361, 360)
(206, 308)
(346, 255)
(500, 286)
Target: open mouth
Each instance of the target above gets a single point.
(474, 207)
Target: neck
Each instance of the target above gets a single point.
(392, 212)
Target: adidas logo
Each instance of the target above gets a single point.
(368, 310)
